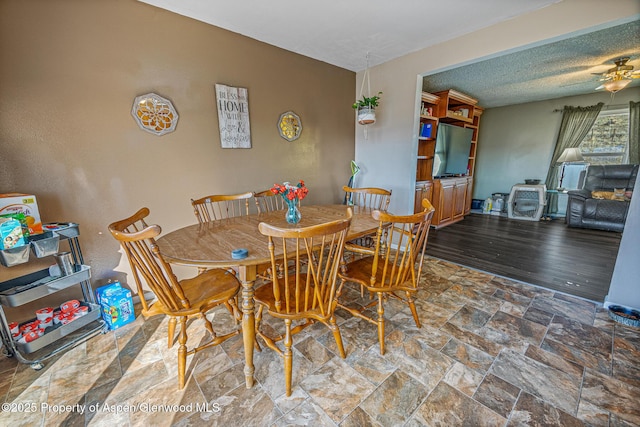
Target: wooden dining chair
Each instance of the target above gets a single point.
(268, 201)
(393, 266)
(177, 299)
(308, 291)
(368, 197)
(372, 198)
(221, 206)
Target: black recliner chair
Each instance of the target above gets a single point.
(587, 212)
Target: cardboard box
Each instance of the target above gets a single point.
(116, 305)
(22, 203)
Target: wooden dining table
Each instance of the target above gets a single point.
(210, 245)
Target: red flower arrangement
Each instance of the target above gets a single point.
(291, 193)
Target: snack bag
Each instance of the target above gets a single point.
(23, 222)
(11, 234)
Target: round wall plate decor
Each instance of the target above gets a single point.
(289, 126)
(154, 114)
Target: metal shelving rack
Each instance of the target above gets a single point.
(30, 287)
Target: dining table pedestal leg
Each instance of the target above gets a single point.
(247, 278)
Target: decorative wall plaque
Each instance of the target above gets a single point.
(154, 114)
(233, 116)
(289, 126)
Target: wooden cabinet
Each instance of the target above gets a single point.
(451, 197)
(475, 125)
(468, 200)
(459, 199)
(458, 109)
(424, 190)
(444, 201)
(455, 107)
(450, 200)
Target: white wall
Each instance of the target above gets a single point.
(386, 154)
(517, 141)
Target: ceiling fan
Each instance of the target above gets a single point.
(618, 77)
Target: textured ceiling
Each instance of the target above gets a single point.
(555, 70)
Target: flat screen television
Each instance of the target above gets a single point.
(451, 156)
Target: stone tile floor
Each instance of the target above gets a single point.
(491, 351)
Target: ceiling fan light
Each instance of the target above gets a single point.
(614, 86)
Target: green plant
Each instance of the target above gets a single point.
(367, 101)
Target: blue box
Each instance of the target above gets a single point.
(425, 131)
(116, 305)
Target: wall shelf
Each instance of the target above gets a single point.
(451, 197)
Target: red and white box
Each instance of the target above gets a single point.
(44, 313)
(69, 306)
(46, 322)
(14, 328)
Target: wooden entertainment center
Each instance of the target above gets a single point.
(450, 196)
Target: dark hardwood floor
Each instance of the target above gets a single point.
(575, 261)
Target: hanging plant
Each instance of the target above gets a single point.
(366, 107)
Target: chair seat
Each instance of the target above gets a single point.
(264, 295)
(606, 210)
(359, 271)
(207, 289)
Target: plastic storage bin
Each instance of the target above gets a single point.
(14, 256)
(44, 244)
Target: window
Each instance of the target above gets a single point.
(608, 140)
(572, 175)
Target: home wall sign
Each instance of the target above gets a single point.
(289, 126)
(233, 116)
(154, 114)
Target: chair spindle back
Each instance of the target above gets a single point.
(399, 253)
(370, 197)
(314, 255)
(221, 206)
(267, 201)
(137, 240)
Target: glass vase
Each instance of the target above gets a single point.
(292, 214)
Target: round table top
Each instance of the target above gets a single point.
(211, 244)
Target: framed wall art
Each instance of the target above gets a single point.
(289, 126)
(154, 114)
(233, 116)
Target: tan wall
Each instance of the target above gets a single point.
(69, 72)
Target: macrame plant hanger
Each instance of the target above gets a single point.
(366, 78)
